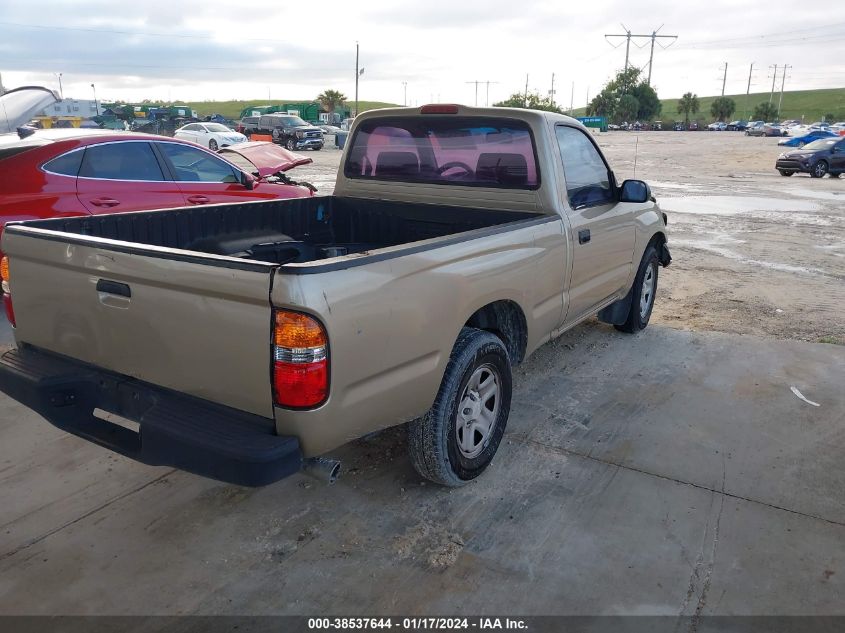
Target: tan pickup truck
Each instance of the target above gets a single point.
(242, 341)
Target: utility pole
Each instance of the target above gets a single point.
(653, 36)
(61, 92)
(487, 99)
(724, 78)
(525, 102)
(476, 82)
(782, 84)
(405, 86)
(552, 91)
(572, 99)
(774, 78)
(748, 92)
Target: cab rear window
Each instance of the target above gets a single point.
(497, 153)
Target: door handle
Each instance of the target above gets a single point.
(583, 236)
(198, 199)
(105, 202)
(114, 288)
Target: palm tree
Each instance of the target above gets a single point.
(330, 99)
(688, 104)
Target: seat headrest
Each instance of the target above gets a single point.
(504, 169)
(397, 164)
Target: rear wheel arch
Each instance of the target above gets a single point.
(506, 320)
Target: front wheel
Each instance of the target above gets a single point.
(819, 169)
(456, 440)
(785, 172)
(643, 293)
(212, 145)
(290, 144)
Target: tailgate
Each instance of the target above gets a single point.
(197, 325)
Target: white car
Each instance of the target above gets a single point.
(210, 135)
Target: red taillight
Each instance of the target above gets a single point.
(301, 385)
(439, 108)
(300, 360)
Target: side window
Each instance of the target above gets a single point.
(265, 122)
(194, 165)
(66, 164)
(120, 161)
(587, 176)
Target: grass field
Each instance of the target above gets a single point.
(812, 105)
(233, 109)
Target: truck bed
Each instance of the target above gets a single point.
(287, 231)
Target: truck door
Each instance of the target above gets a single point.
(602, 229)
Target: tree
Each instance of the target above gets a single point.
(628, 108)
(626, 97)
(765, 112)
(722, 108)
(331, 99)
(829, 117)
(649, 103)
(533, 102)
(603, 104)
(688, 104)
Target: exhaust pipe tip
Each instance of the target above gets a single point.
(325, 469)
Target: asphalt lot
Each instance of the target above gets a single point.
(673, 472)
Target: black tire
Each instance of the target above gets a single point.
(433, 440)
(276, 136)
(290, 144)
(834, 175)
(318, 148)
(785, 172)
(819, 169)
(637, 320)
(212, 145)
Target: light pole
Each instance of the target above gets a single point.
(405, 86)
(61, 92)
(96, 105)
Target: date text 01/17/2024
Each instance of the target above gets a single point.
(416, 624)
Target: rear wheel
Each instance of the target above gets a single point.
(819, 169)
(212, 145)
(456, 440)
(785, 172)
(643, 293)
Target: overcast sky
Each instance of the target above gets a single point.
(205, 49)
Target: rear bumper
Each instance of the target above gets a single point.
(174, 429)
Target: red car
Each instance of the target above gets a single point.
(71, 172)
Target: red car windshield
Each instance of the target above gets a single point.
(445, 150)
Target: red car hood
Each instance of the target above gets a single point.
(267, 158)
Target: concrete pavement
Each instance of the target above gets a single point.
(666, 473)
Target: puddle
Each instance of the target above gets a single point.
(734, 205)
(719, 246)
(818, 195)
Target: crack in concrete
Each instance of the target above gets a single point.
(642, 471)
(91, 512)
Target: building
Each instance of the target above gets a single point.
(84, 108)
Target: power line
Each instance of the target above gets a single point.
(632, 36)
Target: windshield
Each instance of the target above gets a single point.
(216, 127)
(825, 143)
(496, 153)
(292, 121)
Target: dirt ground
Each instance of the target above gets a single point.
(754, 252)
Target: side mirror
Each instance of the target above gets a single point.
(247, 181)
(635, 191)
